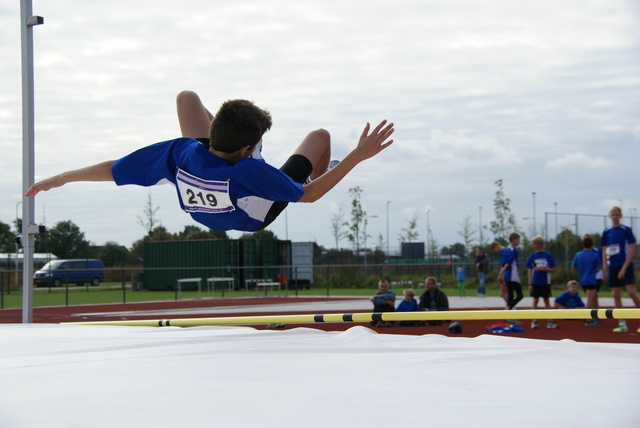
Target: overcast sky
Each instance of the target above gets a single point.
(544, 95)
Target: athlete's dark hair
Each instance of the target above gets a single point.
(238, 123)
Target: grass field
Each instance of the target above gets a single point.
(110, 293)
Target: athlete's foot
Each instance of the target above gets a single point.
(621, 328)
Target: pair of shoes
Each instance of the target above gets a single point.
(275, 325)
(333, 163)
(552, 324)
(592, 323)
(534, 324)
(257, 152)
(621, 328)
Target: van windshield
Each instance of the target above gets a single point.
(52, 265)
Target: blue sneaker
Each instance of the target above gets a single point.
(257, 152)
(331, 165)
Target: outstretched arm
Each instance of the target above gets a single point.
(98, 172)
(368, 146)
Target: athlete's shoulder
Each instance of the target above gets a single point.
(626, 229)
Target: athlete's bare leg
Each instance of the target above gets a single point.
(193, 116)
(316, 147)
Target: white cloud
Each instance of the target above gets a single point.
(580, 159)
(459, 149)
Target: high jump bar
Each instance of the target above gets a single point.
(380, 316)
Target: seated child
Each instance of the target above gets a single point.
(570, 299)
(408, 304)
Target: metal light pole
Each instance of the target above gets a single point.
(428, 236)
(29, 228)
(388, 202)
(555, 207)
(286, 225)
(480, 224)
(534, 213)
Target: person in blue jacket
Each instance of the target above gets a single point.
(408, 304)
(540, 266)
(460, 271)
(588, 265)
(220, 178)
(570, 299)
(509, 271)
(619, 250)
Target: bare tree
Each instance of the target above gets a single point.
(410, 233)
(358, 227)
(380, 245)
(505, 221)
(467, 233)
(337, 225)
(432, 246)
(149, 220)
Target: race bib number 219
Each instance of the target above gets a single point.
(205, 196)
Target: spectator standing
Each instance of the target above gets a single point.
(540, 266)
(619, 249)
(497, 248)
(509, 271)
(460, 277)
(588, 264)
(482, 266)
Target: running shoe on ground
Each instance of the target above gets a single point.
(621, 328)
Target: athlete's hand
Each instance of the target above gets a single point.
(97, 172)
(622, 273)
(371, 144)
(46, 184)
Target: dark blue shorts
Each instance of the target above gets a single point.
(591, 287)
(541, 291)
(297, 167)
(629, 276)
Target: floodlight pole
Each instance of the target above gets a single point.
(29, 228)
